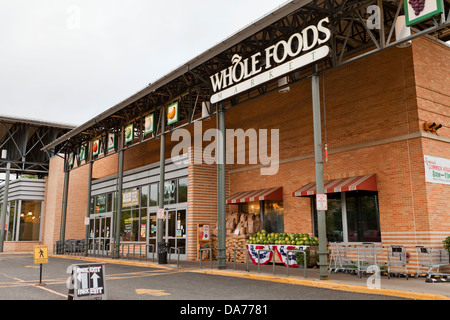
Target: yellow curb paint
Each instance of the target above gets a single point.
(325, 284)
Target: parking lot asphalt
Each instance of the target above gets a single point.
(27, 276)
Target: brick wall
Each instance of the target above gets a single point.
(76, 203)
(374, 107)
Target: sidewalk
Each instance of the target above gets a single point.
(413, 288)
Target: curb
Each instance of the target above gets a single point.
(326, 284)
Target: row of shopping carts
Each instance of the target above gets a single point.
(363, 258)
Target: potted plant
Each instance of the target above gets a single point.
(447, 246)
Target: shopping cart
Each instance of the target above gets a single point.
(343, 257)
(430, 259)
(367, 257)
(396, 259)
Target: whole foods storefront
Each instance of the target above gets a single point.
(268, 111)
(139, 209)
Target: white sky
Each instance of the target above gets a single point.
(69, 60)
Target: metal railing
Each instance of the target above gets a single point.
(304, 260)
(178, 253)
(246, 258)
(273, 258)
(210, 256)
(101, 249)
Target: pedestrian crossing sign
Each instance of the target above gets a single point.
(40, 254)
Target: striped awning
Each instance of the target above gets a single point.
(257, 195)
(367, 183)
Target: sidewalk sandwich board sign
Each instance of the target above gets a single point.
(87, 281)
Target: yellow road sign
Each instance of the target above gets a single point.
(40, 254)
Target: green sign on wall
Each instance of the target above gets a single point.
(419, 10)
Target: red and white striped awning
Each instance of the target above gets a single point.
(367, 183)
(257, 195)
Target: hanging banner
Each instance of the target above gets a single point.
(149, 124)
(437, 170)
(129, 133)
(172, 113)
(419, 10)
(111, 141)
(96, 147)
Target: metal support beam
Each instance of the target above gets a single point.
(221, 150)
(119, 197)
(323, 252)
(4, 206)
(162, 169)
(88, 209)
(62, 234)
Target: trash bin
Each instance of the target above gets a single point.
(163, 249)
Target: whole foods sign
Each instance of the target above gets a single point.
(245, 74)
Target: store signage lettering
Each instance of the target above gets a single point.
(437, 170)
(247, 73)
(130, 198)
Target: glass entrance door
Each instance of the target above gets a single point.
(175, 229)
(100, 234)
(175, 226)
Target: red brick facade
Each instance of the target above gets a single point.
(375, 109)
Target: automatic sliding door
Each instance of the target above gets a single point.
(174, 227)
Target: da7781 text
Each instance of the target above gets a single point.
(245, 309)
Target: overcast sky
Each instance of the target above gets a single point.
(69, 60)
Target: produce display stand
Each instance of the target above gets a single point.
(281, 253)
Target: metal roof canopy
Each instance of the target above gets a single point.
(23, 139)
(351, 39)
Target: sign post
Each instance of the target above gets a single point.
(86, 281)
(40, 257)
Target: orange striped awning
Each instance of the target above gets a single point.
(367, 183)
(257, 195)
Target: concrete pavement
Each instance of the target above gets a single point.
(413, 288)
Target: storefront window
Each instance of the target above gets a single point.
(153, 195)
(143, 225)
(362, 218)
(30, 220)
(273, 219)
(182, 190)
(270, 212)
(360, 210)
(144, 196)
(170, 192)
(100, 205)
(134, 226)
(12, 220)
(333, 218)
